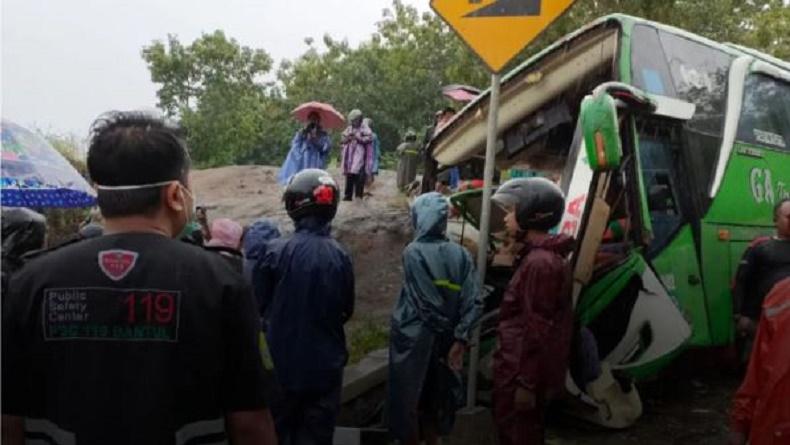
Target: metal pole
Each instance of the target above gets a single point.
(485, 226)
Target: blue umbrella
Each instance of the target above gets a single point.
(35, 175)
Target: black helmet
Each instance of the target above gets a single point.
(23, 231)
(538, 202)
(311, 192)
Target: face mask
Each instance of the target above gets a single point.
(193, 208)
(190, 215)
(190, 219)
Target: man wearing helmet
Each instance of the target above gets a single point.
(536, 314)
(306, 286)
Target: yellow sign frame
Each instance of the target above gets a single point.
(496, 39)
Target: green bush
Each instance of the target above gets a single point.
(367, 336)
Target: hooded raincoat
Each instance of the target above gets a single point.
(438, 304)
(761, 410)
(305, 152)
(534, 337)
(254, 247)
(306, 284)
(358, 151)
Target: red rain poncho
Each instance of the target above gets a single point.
(761, 409)
(534, 333)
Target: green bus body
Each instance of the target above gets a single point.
(699, 264)
(706, 186)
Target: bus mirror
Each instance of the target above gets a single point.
(601, 132)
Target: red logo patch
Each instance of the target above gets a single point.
(117, 263)
(324, 194)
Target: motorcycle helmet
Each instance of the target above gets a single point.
(311, 192)
(538, 202)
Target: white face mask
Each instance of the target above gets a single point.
(192, 196)
(191, 212)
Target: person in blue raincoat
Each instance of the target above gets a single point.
(309, 149)
(368, 122)
(306, 281)
(439, 305)
(257, 237)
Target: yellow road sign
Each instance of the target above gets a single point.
(498, 29)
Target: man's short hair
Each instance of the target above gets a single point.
(134, 148)
(778, 207)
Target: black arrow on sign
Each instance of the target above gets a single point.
(507, 8)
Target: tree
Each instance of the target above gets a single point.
(215, 87)
(63, 224)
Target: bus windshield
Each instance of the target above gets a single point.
(672, 65)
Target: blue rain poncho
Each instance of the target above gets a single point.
(440, 302)
(305, 153)
(376, 153)
(254, 245)
(307, 284)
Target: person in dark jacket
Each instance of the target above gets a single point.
(439, 306)
(765, 263)
(306, 281)
(23, 231)
(536, 315)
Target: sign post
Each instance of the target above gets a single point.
(496, 30)
(485, 227)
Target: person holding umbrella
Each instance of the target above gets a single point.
(311, 145)
(309, 149)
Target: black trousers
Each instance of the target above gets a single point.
(355, 185)
(306, 417)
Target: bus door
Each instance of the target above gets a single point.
(671, 249)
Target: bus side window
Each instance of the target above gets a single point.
(765, 116)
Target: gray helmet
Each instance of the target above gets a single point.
(538, 202)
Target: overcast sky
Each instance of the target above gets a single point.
(66, 61)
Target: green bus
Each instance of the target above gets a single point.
(672, 150)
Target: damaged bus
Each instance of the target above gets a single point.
(671, 150)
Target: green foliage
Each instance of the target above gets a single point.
(367, 336)
(215, 87)
(769, 31)
(62, 224)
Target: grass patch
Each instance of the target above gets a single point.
(367, 336)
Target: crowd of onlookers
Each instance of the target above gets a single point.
(156, 325)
